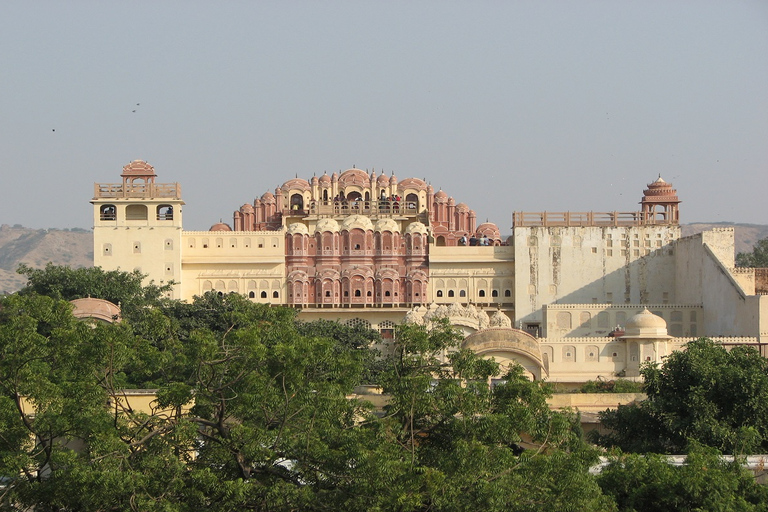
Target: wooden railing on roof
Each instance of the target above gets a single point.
(585, 219)
(373, 209)
(145, 190)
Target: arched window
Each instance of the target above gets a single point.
(107, 212)
(507, 293)
(462, 293)
(263, 295)
(164, 212)
(450, 293)
(412, 201)
(481, 293)
(275, 295)
(251, 295)
(357, 293)
(136, 212)
(297, 202)
(495, 293)
(439, 293)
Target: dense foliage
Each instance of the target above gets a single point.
(611, 386)
(706, 394)
(648, 483)
(255, 411)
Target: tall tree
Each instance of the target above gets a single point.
(463, 444)
(705, 394)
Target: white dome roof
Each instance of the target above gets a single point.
(298, 227)
(645, 325)
(327, 225)
(357, 222)
(387, 225)
(416, 227)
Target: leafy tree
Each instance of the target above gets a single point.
(358, 339)
(706, 394)
(641, 483)
(60, 368)
(758, 258)
(123, 288)
(461, 444)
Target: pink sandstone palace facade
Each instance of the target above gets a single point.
(356, 238)
(369, 249)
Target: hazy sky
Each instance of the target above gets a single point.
(507, 106)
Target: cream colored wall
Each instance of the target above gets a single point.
(585, 320)
(151, 246)
(237, 261)
(704, 263)
(762, 308)
(466, 268)
(578, 265)
(139, 400)
(576, 360)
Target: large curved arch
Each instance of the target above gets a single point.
(507, 345)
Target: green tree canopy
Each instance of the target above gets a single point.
(647, 483)
(758, 258)
(705, 394)
(123, 288)
(254, 411)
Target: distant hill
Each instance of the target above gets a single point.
(746, 235)
(74, 247)
(37, 247)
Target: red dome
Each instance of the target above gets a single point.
(220, 226)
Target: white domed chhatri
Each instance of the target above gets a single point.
(645, 325)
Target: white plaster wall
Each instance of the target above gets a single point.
(235, 258)
(592, 265)
(150, 246)
(449, 267)
(584, 320)
(703, 274)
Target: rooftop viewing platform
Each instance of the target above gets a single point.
(148, 190)
(340, 209)
(587, 219)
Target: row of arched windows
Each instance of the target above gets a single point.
(262, 289)
(232, 242)
(356, 240)
(134, 212)
(354, 289)
(480, 293)
(612, 352)
(484, 288)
